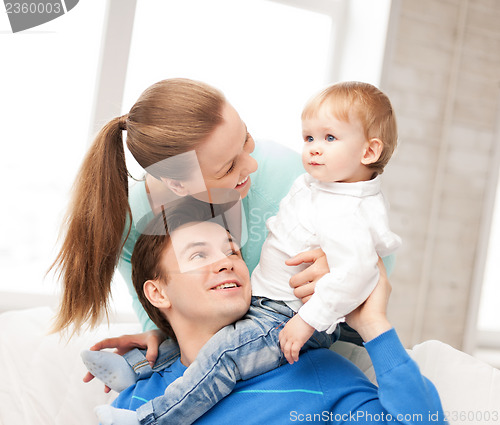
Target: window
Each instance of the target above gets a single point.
(489, 314)
(266, 57)
(48, 76)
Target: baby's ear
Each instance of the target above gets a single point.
(154, 290)
(372, 152)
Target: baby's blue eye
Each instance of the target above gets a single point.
(330, 138)
(309, 139)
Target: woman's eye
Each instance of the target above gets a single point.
(330, 138)
(230, 169)
(309, 139)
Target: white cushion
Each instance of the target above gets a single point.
(42, 375)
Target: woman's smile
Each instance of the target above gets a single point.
(242, 183)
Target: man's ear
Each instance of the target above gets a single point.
(154, 290)
(176, 186)
(373, 150)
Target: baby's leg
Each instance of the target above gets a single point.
(348, 334)
(120, 372)
(243, 350)
(110, 368)
(168, 351)
(108, 415)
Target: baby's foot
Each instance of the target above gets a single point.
(112, 416)
(110, 368)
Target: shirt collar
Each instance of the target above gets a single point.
(358, 189)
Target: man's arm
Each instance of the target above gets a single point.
(404, 395)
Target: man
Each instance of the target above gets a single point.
(193, 282)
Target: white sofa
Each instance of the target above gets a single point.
(41, 378)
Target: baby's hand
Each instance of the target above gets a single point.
(293, 336)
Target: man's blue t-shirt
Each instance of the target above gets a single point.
(321, 387)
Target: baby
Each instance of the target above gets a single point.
(349, 133)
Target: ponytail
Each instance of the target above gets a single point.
(95, 223)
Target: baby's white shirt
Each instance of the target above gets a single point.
(349, 222)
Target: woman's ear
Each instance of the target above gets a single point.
(176, 186)
(372, 152)
(154, 290)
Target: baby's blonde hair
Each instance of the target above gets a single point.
(368, 104)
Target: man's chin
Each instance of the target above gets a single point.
(235, 314)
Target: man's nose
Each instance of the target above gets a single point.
(223, 264)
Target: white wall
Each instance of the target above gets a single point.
(441, 72)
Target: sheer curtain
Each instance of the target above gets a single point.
(46, 97)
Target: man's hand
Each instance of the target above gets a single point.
(304, 282)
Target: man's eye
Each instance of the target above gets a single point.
(330, 138)
(232, 252)
(198, 256)
(309, 139)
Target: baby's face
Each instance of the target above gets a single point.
(333, 149)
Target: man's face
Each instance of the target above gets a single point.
(208, 283)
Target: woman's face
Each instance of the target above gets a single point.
(224, 157)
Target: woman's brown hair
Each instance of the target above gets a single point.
(170, 118)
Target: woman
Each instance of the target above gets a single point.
(171, 118)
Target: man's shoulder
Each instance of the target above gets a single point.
(147, 389)
(327, 362)
(314, 369)
(313, 384)
(278, 168)
(267, 149)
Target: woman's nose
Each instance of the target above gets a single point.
(250, 165)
